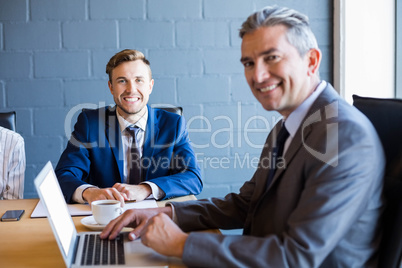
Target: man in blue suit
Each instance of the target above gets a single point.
(98, 159)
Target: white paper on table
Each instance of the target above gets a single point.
(85, 209)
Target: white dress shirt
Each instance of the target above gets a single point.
(12, 164)
(294, 120)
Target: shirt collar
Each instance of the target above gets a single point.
(141, 123)
(294, 120)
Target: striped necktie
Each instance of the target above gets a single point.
(135, 157)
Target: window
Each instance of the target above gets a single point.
(364, 48)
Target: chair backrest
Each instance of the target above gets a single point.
(385, 115)
(170, 108)
(8, 120)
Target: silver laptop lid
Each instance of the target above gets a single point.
(57, 212)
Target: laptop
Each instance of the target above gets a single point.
(86, 249)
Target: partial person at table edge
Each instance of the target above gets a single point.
(12, 164)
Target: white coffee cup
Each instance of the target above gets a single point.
(104, 211)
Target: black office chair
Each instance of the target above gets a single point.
(8, 120)
(385, 115)
(170, 108)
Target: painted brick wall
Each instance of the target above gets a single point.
(52, 63)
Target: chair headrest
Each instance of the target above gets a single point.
(8, 120)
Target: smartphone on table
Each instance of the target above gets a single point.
(12, 215)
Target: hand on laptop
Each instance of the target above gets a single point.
(134, 218)
(164, 236)
(154, 226)
(134, 192)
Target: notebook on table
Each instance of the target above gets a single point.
(86, 249)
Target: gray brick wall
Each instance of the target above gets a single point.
(52, 63)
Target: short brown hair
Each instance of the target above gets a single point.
(123, 56)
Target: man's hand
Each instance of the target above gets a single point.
(134, 192)
(164, 236)
(154, 226)
(92, 194)
(134, 218)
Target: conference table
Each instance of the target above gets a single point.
(30, 242)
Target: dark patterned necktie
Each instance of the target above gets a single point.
(277, 152)
(135, 157)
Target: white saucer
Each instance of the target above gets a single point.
(92, 224)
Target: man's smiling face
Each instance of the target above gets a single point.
(274, 70)
(131, 86)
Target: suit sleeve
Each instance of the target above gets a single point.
(223, 213)
(184, 177)
(74, 164)
(333, 198)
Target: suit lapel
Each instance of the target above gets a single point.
(326, 97)
(112, 132)
(304, 130)
(263, 170)
(151, 138)
(294, 146)
(265, 163)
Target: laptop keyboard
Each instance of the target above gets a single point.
(98, 251)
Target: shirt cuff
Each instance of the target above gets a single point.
(157, 192)
(174, 217)
(77, 196)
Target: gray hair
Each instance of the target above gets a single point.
(299, 33)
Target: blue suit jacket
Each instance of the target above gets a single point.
(94, 154)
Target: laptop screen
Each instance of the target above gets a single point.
(59, 216)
